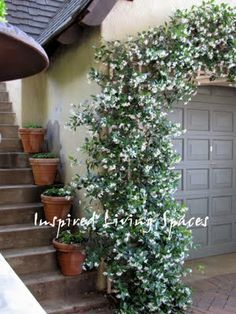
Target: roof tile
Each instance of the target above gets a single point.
(32, 16)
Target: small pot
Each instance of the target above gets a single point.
(32, 139)
(44, 170)
(70, 258)
(55, 206)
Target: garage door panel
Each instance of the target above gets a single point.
(221, 233)
(200, 236)
(198, 120)
(222, 149)
(197, 179)
(180, 183)
(228, 93)
(222, 178)
(223, 99)
(198, 149)
(223, 121)
(198, 207)
(178, 145)
(177, 116)
(222, 206)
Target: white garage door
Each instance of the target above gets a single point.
(208, 167)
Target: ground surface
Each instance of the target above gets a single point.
(214, 284)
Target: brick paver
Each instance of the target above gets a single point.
(215, 295)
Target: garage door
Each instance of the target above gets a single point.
(208, 167)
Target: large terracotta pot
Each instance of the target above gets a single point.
(32, 139)
(55, 206)
(44, 170)
(70, 258)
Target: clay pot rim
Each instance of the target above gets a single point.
(55, 199)
(32, 130)
(44, 160)
(63, 247)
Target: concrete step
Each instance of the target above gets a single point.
(5, 106)
(7, 118)
(25, 236)
(9, 131)
(14, 160)
(3, 87)
(20, 213)
(55, 286)
(89, 303)
(4, 96)
(10, 145)
(31, 260)
(104, 310)
(16, 176)
(13, 194)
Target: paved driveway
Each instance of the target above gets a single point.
(214, 285)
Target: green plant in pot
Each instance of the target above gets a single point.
(57, 202)
(44, 167)
(70, 248)
(32, 137)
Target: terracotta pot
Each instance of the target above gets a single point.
(32, 139)
(70, 258)
(55, 206)
(44, 170)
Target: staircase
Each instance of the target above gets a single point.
(26, 247)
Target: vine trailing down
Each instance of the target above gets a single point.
(130, 157)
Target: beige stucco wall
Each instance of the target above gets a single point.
(46, 98)
(128, 18)
(15, 95)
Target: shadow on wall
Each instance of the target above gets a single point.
(53, 144)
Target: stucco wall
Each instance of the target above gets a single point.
(47, 97)
(15, 95)
(128, 18)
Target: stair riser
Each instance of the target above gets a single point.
(24, 265)
(63, 288)
(19, 216)
(7, 145)
(100, 308)
(9, 131)
(13, 177)
(3, 87)
(5, 106)
(34, 237)
(14, 160)
(104, 310)
(7, 118)
(19, 195)
(4, 96)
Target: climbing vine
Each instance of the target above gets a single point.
(130, 165)
(2, 11)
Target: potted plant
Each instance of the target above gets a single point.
(32, 137)
(57, 202)
(70, 252)
(44, 167)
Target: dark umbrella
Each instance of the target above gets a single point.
(20, 54)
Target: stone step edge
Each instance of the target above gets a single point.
(88, 302)
(12, 253)
(15, 169)
(9, 125)
(23, 227)
(19, 186)
(20, 206)
(37, 278)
